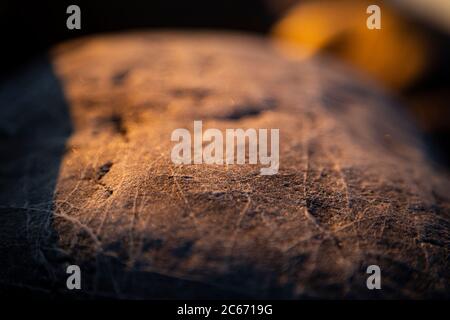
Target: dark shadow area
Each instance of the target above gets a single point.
(34, 126)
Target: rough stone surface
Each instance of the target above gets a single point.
(87, 177)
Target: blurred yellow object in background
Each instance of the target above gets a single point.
(396, 55)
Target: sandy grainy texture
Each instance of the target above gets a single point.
(354, 188)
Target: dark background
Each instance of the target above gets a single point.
(29, 27)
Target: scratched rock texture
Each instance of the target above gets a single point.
(354, 187)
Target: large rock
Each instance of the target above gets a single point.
(354, 187)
